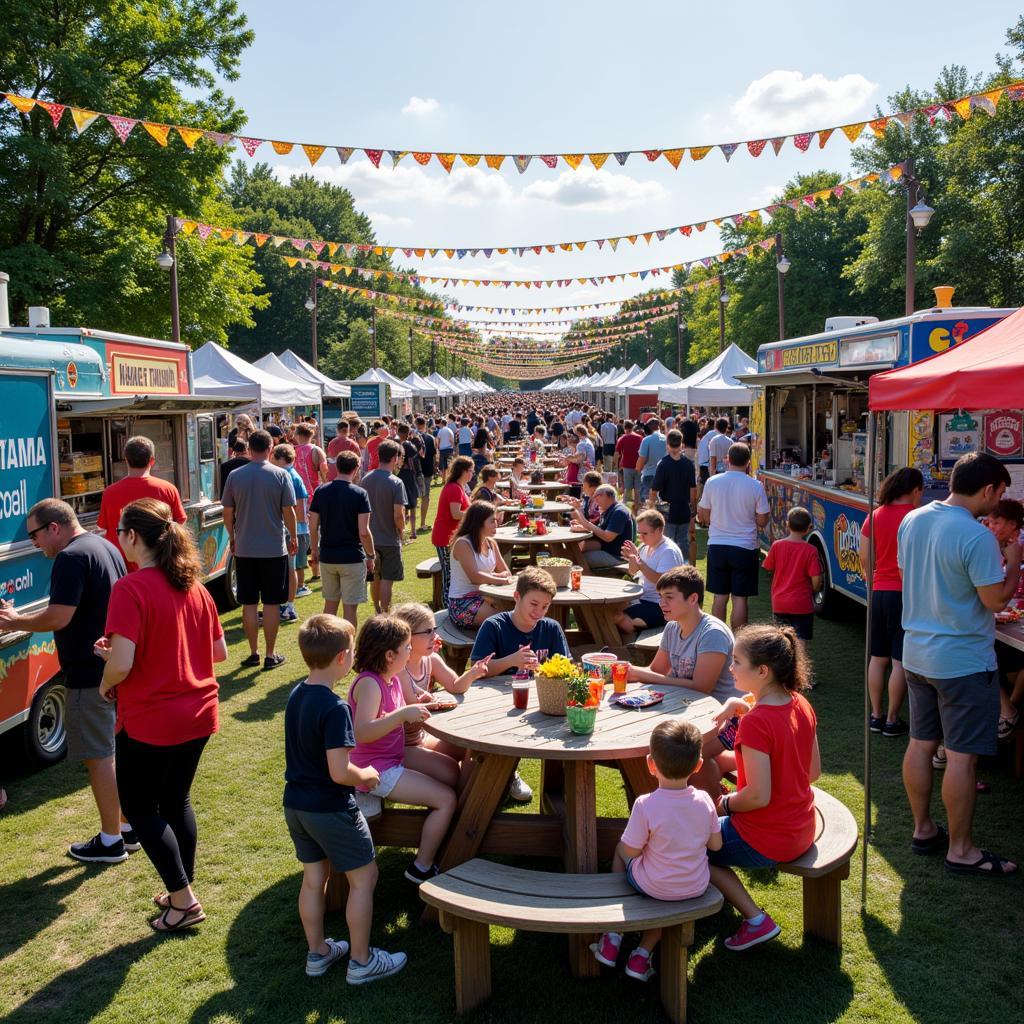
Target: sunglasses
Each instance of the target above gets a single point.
(32, 533)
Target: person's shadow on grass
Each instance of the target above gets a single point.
(32, 904)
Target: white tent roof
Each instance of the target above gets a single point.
(272, 365)
(443, 386)
(714, 384)
(303, 370)
(553, 386)
(379, 376)
(421, 387)
(655, 376)
(216, 371)
(618, 386)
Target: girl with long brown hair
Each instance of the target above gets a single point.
(475, 560)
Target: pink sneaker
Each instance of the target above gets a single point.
(752, 935)
(639, 966)
(606, 950)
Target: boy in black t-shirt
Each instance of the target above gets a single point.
(326, 826)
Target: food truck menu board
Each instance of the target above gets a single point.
(26, 452)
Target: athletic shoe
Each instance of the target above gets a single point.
(288, 613)
(897, 728)
(380, 965)
(877, 723)
(416, 876)
(130, 840)
(606, 950)
(273, 661)
(519, 791)
(318, 963)
(939, 760)
(639, 966)
(95, 851)
(250, 661)
(303, 591)
(752, 935)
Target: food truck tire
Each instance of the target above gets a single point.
(827, 601)
(229, 585)
(44, 735)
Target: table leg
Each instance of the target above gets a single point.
(637, 778)
(552, 783)
(600, 620)
(581, 850)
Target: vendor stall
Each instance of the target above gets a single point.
(714, 386)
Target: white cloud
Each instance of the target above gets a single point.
(420, 107)
(765, 196)
(386, 220)
(788, 101)
(590, 189)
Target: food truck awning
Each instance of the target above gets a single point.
(148, 403)
(983, 372)
(797, 377)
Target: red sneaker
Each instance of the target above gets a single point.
(639, 966)
(752, 935)
(605, 950)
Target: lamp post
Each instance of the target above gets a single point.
(311, 306)
(680, 344)
(782, 266)
(412, 369)
(919, 214)
(433, 355)
(373, 337)
(723, 298)
(168, 260)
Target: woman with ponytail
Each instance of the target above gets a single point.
(162, 639)
(769, 819)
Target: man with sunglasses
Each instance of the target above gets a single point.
(85, 567)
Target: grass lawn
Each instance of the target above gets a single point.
(75, 946)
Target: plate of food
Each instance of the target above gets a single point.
(436, 706)
(1009, 615)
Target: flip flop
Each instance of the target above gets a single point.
(995, 870)
(191, 916)
(932, 843)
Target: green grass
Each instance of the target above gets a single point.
(75, 947)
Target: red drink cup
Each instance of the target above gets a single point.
(576, 577)
(596, 690)
(542, 528)
(520, 694)
(620, 675)
(524, 520)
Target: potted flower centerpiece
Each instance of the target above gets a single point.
(580, 707)
(552, 683)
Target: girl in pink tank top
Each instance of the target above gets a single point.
(379, 715)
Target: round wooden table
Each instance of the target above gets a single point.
(547, 488)
(497, 735)
(549, 508)
(596, 603)
(559, 540)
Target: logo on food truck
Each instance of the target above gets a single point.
(1003, 433)
(821, 352)
(940, 338)
(846, 544)
(17, 584)
(135, 375)
(72, 373)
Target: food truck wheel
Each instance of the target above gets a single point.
(45, 732)
(229, 582)
(826, 600)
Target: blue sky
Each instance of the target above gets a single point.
(567, 76)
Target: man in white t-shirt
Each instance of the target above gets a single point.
(445, 444)
(734, 506)
(718, 447)
(655, 556)
(704, 456)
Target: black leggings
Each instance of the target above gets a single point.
(153, 784)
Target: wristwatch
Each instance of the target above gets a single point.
(725, 805)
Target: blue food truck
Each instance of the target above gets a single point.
(810, 423)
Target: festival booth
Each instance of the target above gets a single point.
(422, 391)
(377, 393)
(714, 386)
(638, 397)
(608, 393)
(445, 389)
(335, 395)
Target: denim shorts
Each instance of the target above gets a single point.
(629, 877)
(736, 852)
(628, 480)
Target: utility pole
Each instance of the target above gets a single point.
(723, 298)
(168, 260)
(647, 338)
(680, 344)
(412, 368)
(373, 338)
(433, 354)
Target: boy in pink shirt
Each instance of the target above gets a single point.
(664, 847)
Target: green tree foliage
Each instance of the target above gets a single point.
(81, 216)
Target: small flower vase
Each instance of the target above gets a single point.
(581, 719)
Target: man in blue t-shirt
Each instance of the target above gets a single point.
(283, 456)
(523, 637)
(953, 582)
(652, 450)
(609, 533)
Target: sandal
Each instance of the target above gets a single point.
(163, 901)
(932, 843)
(994, 869)
(1006, 726)
(190, 916)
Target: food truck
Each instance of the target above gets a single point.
(810, 424)
(69, 400)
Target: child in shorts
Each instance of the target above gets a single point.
(796, 575)
(326, 827)
(664, 847)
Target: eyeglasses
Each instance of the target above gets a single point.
(425, 632)
(122, 529)
(32, 533)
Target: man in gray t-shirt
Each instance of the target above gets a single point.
(387, 521)
(258, 500)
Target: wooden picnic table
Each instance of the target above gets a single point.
(596, 603)
(505, 469)
(553, 487)
(497, 735)
(1011, 633)
(549, 508)
(560, 541)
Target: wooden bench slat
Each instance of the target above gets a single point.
(450, 634)
(648, 640)
(504, 878)
(428, 567)
(836, 839)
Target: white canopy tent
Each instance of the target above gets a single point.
(656, 376)
(443, 386)
(271, 364)
(420, 386)
(303, 370)
(216, 371)
(617, 377)
(714, 384)
(399, 389)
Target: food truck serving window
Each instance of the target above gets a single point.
(869, 351)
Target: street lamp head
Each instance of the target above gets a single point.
(724, 297)
(682, 324)
(921, 215)
(783, 265)
(310, 304)
(165, 260)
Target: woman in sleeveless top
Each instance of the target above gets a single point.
(475, 560)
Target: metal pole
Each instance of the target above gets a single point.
(679, 346)
(647, 338)
(412, 369)
(433, 354)
(908, 302)
(175, 313)
(313, 296)
(721, 317)
(782, 287)
(373, 337)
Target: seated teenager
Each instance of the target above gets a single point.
(519, 482)
(655, 556)
(475, 560)
(523, 637)
(611, 531)
(585, 503)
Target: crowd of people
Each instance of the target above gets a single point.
(138, 638)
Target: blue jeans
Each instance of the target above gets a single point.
(679, 533)
(736, 852)
(645, 488)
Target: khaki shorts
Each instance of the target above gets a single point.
(344, 582)
(90, 724)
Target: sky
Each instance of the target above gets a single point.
(567, 76)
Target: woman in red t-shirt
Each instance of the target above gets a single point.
(451, 507)
(898, 496)
(162, 639)
(770, 817)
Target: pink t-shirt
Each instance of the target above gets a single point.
(389, 750)
(672, 828)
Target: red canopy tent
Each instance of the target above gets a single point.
(984, 372)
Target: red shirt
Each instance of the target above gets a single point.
(339, 444)
(130, 489)
(792, 563)
(888, 519)
(445, 524)
(371, 448)
(628, 448)
(785, 828)
(170, 694)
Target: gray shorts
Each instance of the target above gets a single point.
(599, 559)
(422, 485)
(389, 564)
(90, 722)
(342, 837)
(343, 581)
(300, 560)
(963, 711)
(629, 480)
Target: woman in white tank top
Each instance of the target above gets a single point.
(475, 560)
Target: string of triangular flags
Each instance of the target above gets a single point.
(352, 249)
(613, 335)
(161, 133)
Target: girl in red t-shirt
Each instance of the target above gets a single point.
(451, 507)
(770, 817)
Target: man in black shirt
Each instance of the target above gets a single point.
(428, 462)
(675, 482)
(85, 568)
(239, 457)
(410, 472)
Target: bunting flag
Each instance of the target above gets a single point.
(962, 107)
(627, 317)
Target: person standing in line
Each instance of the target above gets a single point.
(339, 529)
(239, 457)
(140, 458)
(627, 451)
(796, 576)
(953, 582)
(704, 453)
(464, 437)
(310, 458)
(258, 498)
(718, 448)
(409, 471)
(283, 456)
(652, 450)
(388, 502)
(379, 432)
(161, 640)
(734, 506)
(675, 482)
(446, 443)
(451, 507)
(609, 436)
(428, 466)
(341, 442)
(85, 569)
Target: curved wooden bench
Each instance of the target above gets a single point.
(479, 893)
(430, 569)
(457, 642)
(646, 645)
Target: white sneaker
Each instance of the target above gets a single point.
(519, 791)
(318, 963)
(380, 965)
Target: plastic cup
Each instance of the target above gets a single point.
(596, 689)
(620, 675)
(520, 694)
(749, 699)
(576, 577)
